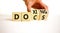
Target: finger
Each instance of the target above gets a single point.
(29, 6)
(45, 6)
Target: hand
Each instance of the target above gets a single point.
(37, 4)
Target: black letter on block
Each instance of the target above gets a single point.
(42, 11)
(16, 16)
(43, 17)
(34, 11)
(25, 16)
(34, 17)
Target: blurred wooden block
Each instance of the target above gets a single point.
(43, 14)
(26, 16)
(34, 17)
(16, 16)
(35, 14)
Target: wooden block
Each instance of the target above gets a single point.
(16, 16)
(43, 14)
(26, 16)
(35, 14)
(34, 17)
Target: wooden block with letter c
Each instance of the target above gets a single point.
(35, 14)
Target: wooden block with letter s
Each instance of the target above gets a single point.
(43, 14)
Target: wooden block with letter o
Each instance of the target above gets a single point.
(16, 16)
(26, 16)
(35, 14)
(43, 14)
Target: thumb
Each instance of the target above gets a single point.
(29, 8)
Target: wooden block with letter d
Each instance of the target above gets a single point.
(35, 14)
(16, 16)
(43, 14)
(26, 16)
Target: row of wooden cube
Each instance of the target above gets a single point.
(27, 16)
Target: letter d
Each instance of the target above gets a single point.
(16, 16)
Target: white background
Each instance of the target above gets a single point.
(52, 25)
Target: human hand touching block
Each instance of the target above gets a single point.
(36, 4)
